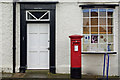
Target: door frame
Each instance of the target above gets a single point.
(23, 32)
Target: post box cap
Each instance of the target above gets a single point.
(75, 36)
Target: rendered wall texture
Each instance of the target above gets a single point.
(17, 37)
(0, 38)
(119, 41)
(7, 39)
(68, 22)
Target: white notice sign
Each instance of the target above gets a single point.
(76, 48)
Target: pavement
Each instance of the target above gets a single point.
(46, 75)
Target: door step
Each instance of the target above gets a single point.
(39, 71)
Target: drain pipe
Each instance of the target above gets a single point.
(14, 36)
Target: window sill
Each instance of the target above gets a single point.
(98, 52)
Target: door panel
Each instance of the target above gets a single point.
(37, 46)
(33, 28)
(33, 59)
(43, 40)
(43, 60)
(43, 29)
(33, 42)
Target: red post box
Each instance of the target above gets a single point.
(75, 56)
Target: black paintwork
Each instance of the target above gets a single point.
(98, 6)
(76, 73)
(23, 32)
(14, 36)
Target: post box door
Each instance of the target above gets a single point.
(76, 54)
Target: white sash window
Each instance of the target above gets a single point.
(98, 30)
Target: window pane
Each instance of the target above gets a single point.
(30, 16)
(102, 47)
(38, 14)
(85, 30)
(86, 13)
(45, 17)
(110, 38)
(102, 30)
(110, 30)
(94, 47)
(94, 12)
(86, 39)
(110, 47)
(94, 21)
(110, 12)
(102, 12)
(102, 21)
(94, 38)
(86, 21)
(94, 30)
(103, 39)
(86, 47)
(110, 21)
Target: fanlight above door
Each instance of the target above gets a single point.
(38, 15)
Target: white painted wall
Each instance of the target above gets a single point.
(68, 22)
(119, 40)
(6, 36)
(17, 37)
(6, 0)
(0, 42)
(0, 37)
(7, 39)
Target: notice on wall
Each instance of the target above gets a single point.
(76, 48)
(94, 38)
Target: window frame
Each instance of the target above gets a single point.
(35, 19)
(89, 17)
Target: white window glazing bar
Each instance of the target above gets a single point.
(44, 15)
(106, 34)
(36, 19)
(98, 30)
(107, 28)
(32, 15)
(90, 28)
